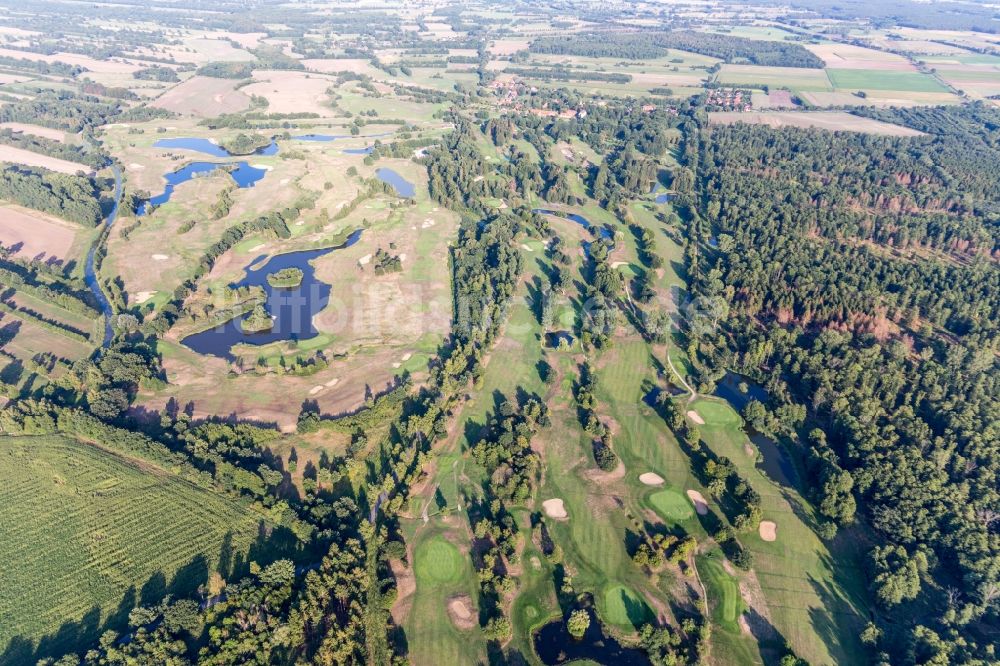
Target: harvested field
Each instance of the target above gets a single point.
(502, 47)
(700, 505)
(203, 96)
(796, 78)
(37, 130)
(334, 65)
(768, 530)
(90, 64)
(292, 92)
(876, 98)
(847, 56)
(828, 120)
(29, 158)
(35, 235)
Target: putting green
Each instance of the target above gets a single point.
(717, 413)
(438, 561)
(626, 609)
(672, 505)
(724, 590)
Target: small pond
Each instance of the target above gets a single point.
(209, 147)
(291, 310)
(403, 187)
(602, 231)
(557, 338)
(241, 172)
(359, 151)
(776, 462)
(663, 197)
(555, 646)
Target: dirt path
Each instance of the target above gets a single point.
(694, 394)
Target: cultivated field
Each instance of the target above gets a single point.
(89, 533)
(292, 92)
(35, 235)
(30, 158)
(203, 96)
(795, 78)
(829, 120)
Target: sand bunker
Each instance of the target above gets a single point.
(525, 246)
(554, 508)
(144, 296)
(315, 389)
(160, 257)
(365, 259)
(651, 479)
(700, 505)
(332, 382)
(407, 356)
(256, 247)
(460, 612)
(768, 530)
(696, 417)
(619, 263)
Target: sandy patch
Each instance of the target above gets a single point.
(160, 257)
(696, 417)
(617, 264)
(460, 612)
(263, 167)
(144, 296)
(135, 166)
(316, 389)
(402, 256)
(554, 508)
(768, 530)
(256, 247)
(365, 259)
(332, 382)
(396, 365)
(407, 356)
(651, 479)
(700, 505)
(526, 247)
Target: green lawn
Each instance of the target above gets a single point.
(624, 608)
(866, 79)
(672, 505)
(438, 562)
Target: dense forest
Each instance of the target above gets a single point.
(74, 198)
(648, 45)
(863, 291)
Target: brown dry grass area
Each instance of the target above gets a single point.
(37, 130)
(506, 47)
(39, 236)
(828, 120)
(292, 92)
(29, 158)
(32, 339)
(396, 308)
(879, 99)
(203, 96)
(334, 65)
(848, 56)
(406, 585)
(91, 64)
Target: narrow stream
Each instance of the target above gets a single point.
(90, 275)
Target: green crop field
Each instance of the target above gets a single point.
(87, 532)
(866, 79)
